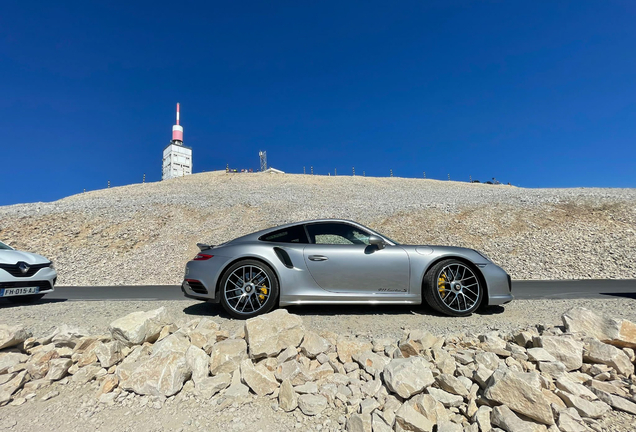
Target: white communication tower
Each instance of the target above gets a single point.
(263, 156)
(177, 158)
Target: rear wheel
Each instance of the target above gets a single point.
(453, 288)
(25, 298)
(248, 288)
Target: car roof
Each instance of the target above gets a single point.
(256, 235)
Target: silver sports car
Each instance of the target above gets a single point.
(334, 261)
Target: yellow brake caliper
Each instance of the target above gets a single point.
(263, 293)
(441, 286)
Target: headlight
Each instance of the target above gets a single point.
(484, 256)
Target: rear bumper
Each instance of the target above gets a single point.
(187, 291)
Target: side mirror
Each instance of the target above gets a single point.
(375, 240)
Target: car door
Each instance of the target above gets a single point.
(340, 259)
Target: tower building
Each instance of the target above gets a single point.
(177, 158)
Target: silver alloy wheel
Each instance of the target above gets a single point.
(247, 289)
(458, 287)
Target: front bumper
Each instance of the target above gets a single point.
(499, 284)
(44, 279)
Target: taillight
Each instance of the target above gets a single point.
(202, 257)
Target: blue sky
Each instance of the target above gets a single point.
(539, 94)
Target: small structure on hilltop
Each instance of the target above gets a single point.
(177, 158)
(273, 171)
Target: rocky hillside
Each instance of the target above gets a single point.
(144, 233)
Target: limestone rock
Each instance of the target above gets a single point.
(568, 423)
(58, 368)
(38, 364)
(481, 375)
(237, 389)
(7, 389)
(408, 376)
(482, 418)
(86, 374)
(539, 355)
(488, 360)
(227, 355)
(564, 349)
(67, 336)
(448, 426)
(109, 354)
(11, 359)
(139, 327)
(311, 404)
(203, 338)
(308, 387)
(616, 332)
(359, 423)
(565, 384)
(452, 385)
(409, 419)
(447, 399)
(258, 378)
(176, 342)
(616, 402)
(503, 417)
(347, 347)
(108, 384)
(199, 363)
(267, 335)
(11, 336)
(370, 361)
(378, 424)
(599, 352)
(313, 345)
(512, 389)
(209, 386)
(584, 407)
(287, 398)
(430, 408)
(161, 374)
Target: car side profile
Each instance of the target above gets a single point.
(24, 277)
(335, 261)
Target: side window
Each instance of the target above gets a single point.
(336, 233)
(295, 234)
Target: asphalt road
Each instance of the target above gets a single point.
(564, 289)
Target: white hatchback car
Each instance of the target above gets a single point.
(24, 277)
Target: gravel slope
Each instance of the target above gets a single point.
(144, 233)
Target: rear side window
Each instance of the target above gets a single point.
(295, 234)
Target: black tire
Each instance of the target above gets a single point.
(25, 298)
(434, 297)
(268, 303)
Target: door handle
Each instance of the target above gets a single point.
(317, 258)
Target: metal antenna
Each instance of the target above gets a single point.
(263, 156)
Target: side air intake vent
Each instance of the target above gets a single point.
(283, 257)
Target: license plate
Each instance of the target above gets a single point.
(18, 291)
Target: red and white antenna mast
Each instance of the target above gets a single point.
(177, 130)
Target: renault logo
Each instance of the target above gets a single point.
(24, 267)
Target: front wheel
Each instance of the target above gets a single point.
(453, 288)
(248, 288)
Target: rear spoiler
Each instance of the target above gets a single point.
(203, 247)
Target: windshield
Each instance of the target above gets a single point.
(5, 247)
